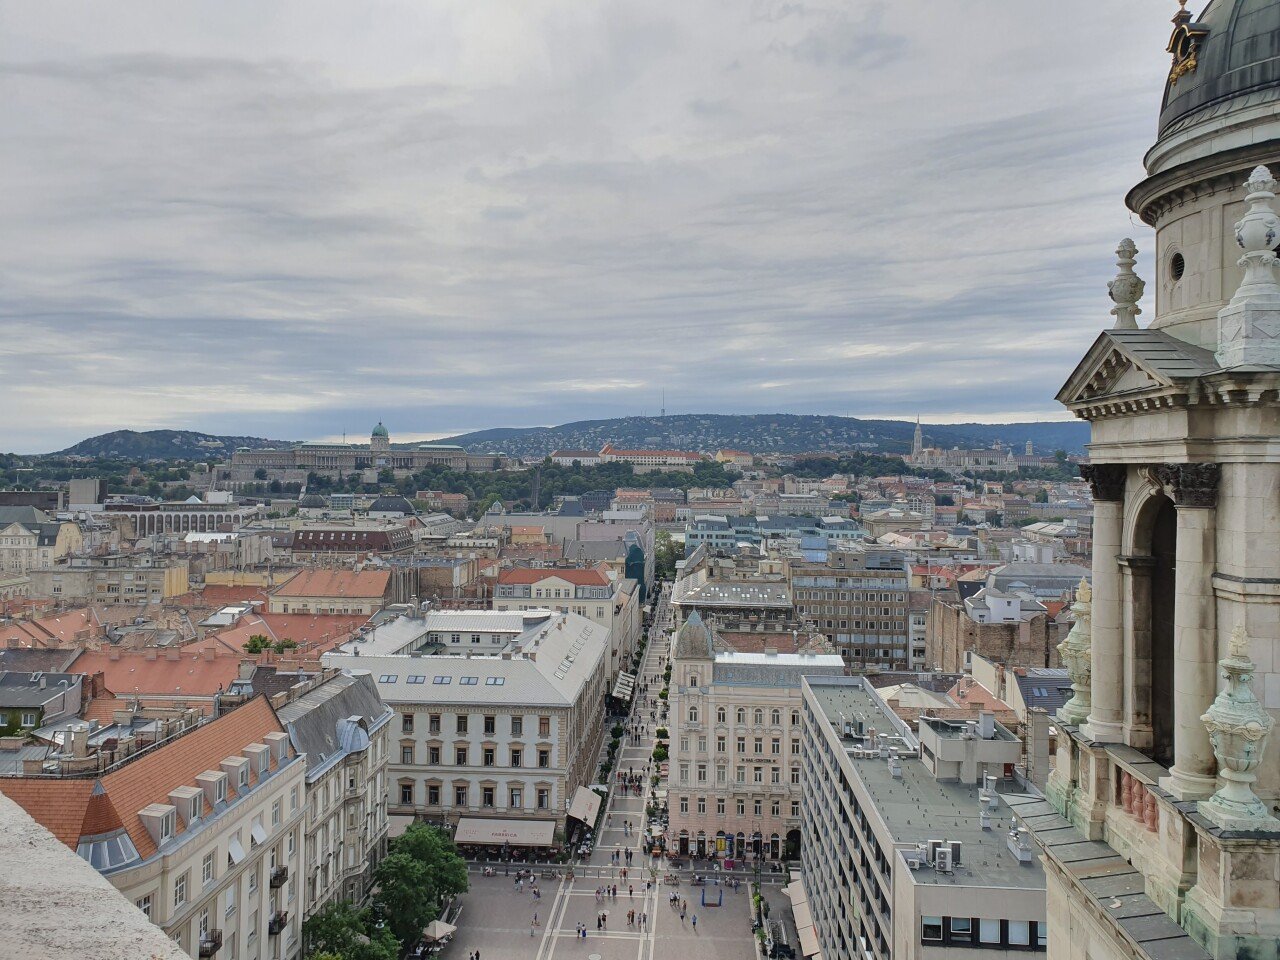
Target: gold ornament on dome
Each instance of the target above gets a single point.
(1184, 43)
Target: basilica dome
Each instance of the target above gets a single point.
(1231, 52)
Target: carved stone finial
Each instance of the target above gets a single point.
(1249, 326)
(1126, 289)
(1076, 652)
(1238, 730)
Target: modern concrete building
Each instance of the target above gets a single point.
(910, 850)
(735, 781)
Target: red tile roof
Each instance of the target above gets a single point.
(62, 629)
(336, 583)
(574, 575)
(315, 632)
(71, 809)
(193, 672)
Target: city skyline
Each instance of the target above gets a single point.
(464, 218)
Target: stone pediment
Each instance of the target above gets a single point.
(1134, 366)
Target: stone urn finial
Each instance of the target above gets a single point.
(1249, 325)
(1126, 289)
(1238, 729)
(1076, 652)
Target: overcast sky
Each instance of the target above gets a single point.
(295, 219)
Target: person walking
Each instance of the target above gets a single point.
(694, 920)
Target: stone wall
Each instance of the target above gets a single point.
(951, 632)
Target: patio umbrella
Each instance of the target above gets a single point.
(438, 930)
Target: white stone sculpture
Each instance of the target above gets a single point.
(1076, 652)
(1249, 326)
(1126, 289)
(1238, 729)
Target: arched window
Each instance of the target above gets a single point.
(719, 714)
(742, 715)
(759, 716)
(693, 714)
(776, 718)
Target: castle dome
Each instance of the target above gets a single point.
(380, 432)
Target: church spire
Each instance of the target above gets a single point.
(917, 442)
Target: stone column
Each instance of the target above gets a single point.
(1136, 610)
(1194, 489)
(1104, 724)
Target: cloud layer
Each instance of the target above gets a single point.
(298, 218)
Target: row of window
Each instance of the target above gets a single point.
(757, 715)
(462, 721)
(462, 796)
(1029, 934)
(488, 756)
(740, 774)
(846, 596)
(722, 742)
(757, 806)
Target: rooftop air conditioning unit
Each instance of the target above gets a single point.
(942, 860)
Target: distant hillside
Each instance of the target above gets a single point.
(770, 433)
(163, 445)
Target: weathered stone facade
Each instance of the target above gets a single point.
(951, 633)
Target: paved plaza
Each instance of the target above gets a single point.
(498, 920)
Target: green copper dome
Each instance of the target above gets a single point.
(381, 431)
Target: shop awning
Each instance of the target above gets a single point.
(518, 833)
(625, 687)
(799, 898)
(795, 893)
(585, 806)
(808, 941)
(803, 915)
(397, 824)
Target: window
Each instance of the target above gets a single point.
(757, 774)
(775, 775)
(417, 678)
(29, 719)
(961, 928)
(742, 808)
(544, 798)
(776, 808)
(931, 929)
(702, 773)
(720, 745)
(684, 744)
(517, 726)
(406, 793)
(720, 805)
(516, 756)
(795, 776)
(489, 756)
(460, 756)
(1042, 934)
(207, 868)
(180, 891)
(494, 681)
(742, 775)
(684, 804)
(719, 774)
(441, 681)
(702, 804)
(795, 744)
(1019, 933)
(775, 747)
(795, 808)
(433, 756)
(433, 723)
(720, 714)
(275, 813)
(433, 795)
(486, 796)
(759, 744)
(490, 724)
(544, 726)
(544, 757)
(459, 796)
(757, 807)
(989, 931)
(406, 753)
(775, 718)
(759, 717)
(462, 723)
(144, 905)
(517, 798)
(469, 681)
(406, 723)
(693, 714)
(742, 744)
(742, 715)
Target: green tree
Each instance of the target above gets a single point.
(666, 553)
(257, 643)
(260, 473)
(421, 871)
(341, 931)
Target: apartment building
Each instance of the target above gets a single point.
(201, 830)
(910, 849)
(858, 598)
(589, 592)
(735, 726)
(114, 578)
(30, 538)
(342, 727)
(332, 591)
(496, 742)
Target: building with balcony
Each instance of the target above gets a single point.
(910, 848)
(734, 787)
(343, 729)
(1168, 773)
(200, 830)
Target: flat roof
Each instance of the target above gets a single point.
(917, 808)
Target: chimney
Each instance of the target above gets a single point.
(151, 653)
(78, 740)
(172, 654)
(987, 725)
(113, 653)
(207, 654)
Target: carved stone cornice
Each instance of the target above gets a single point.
(1106, 480)
(1190, 484)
